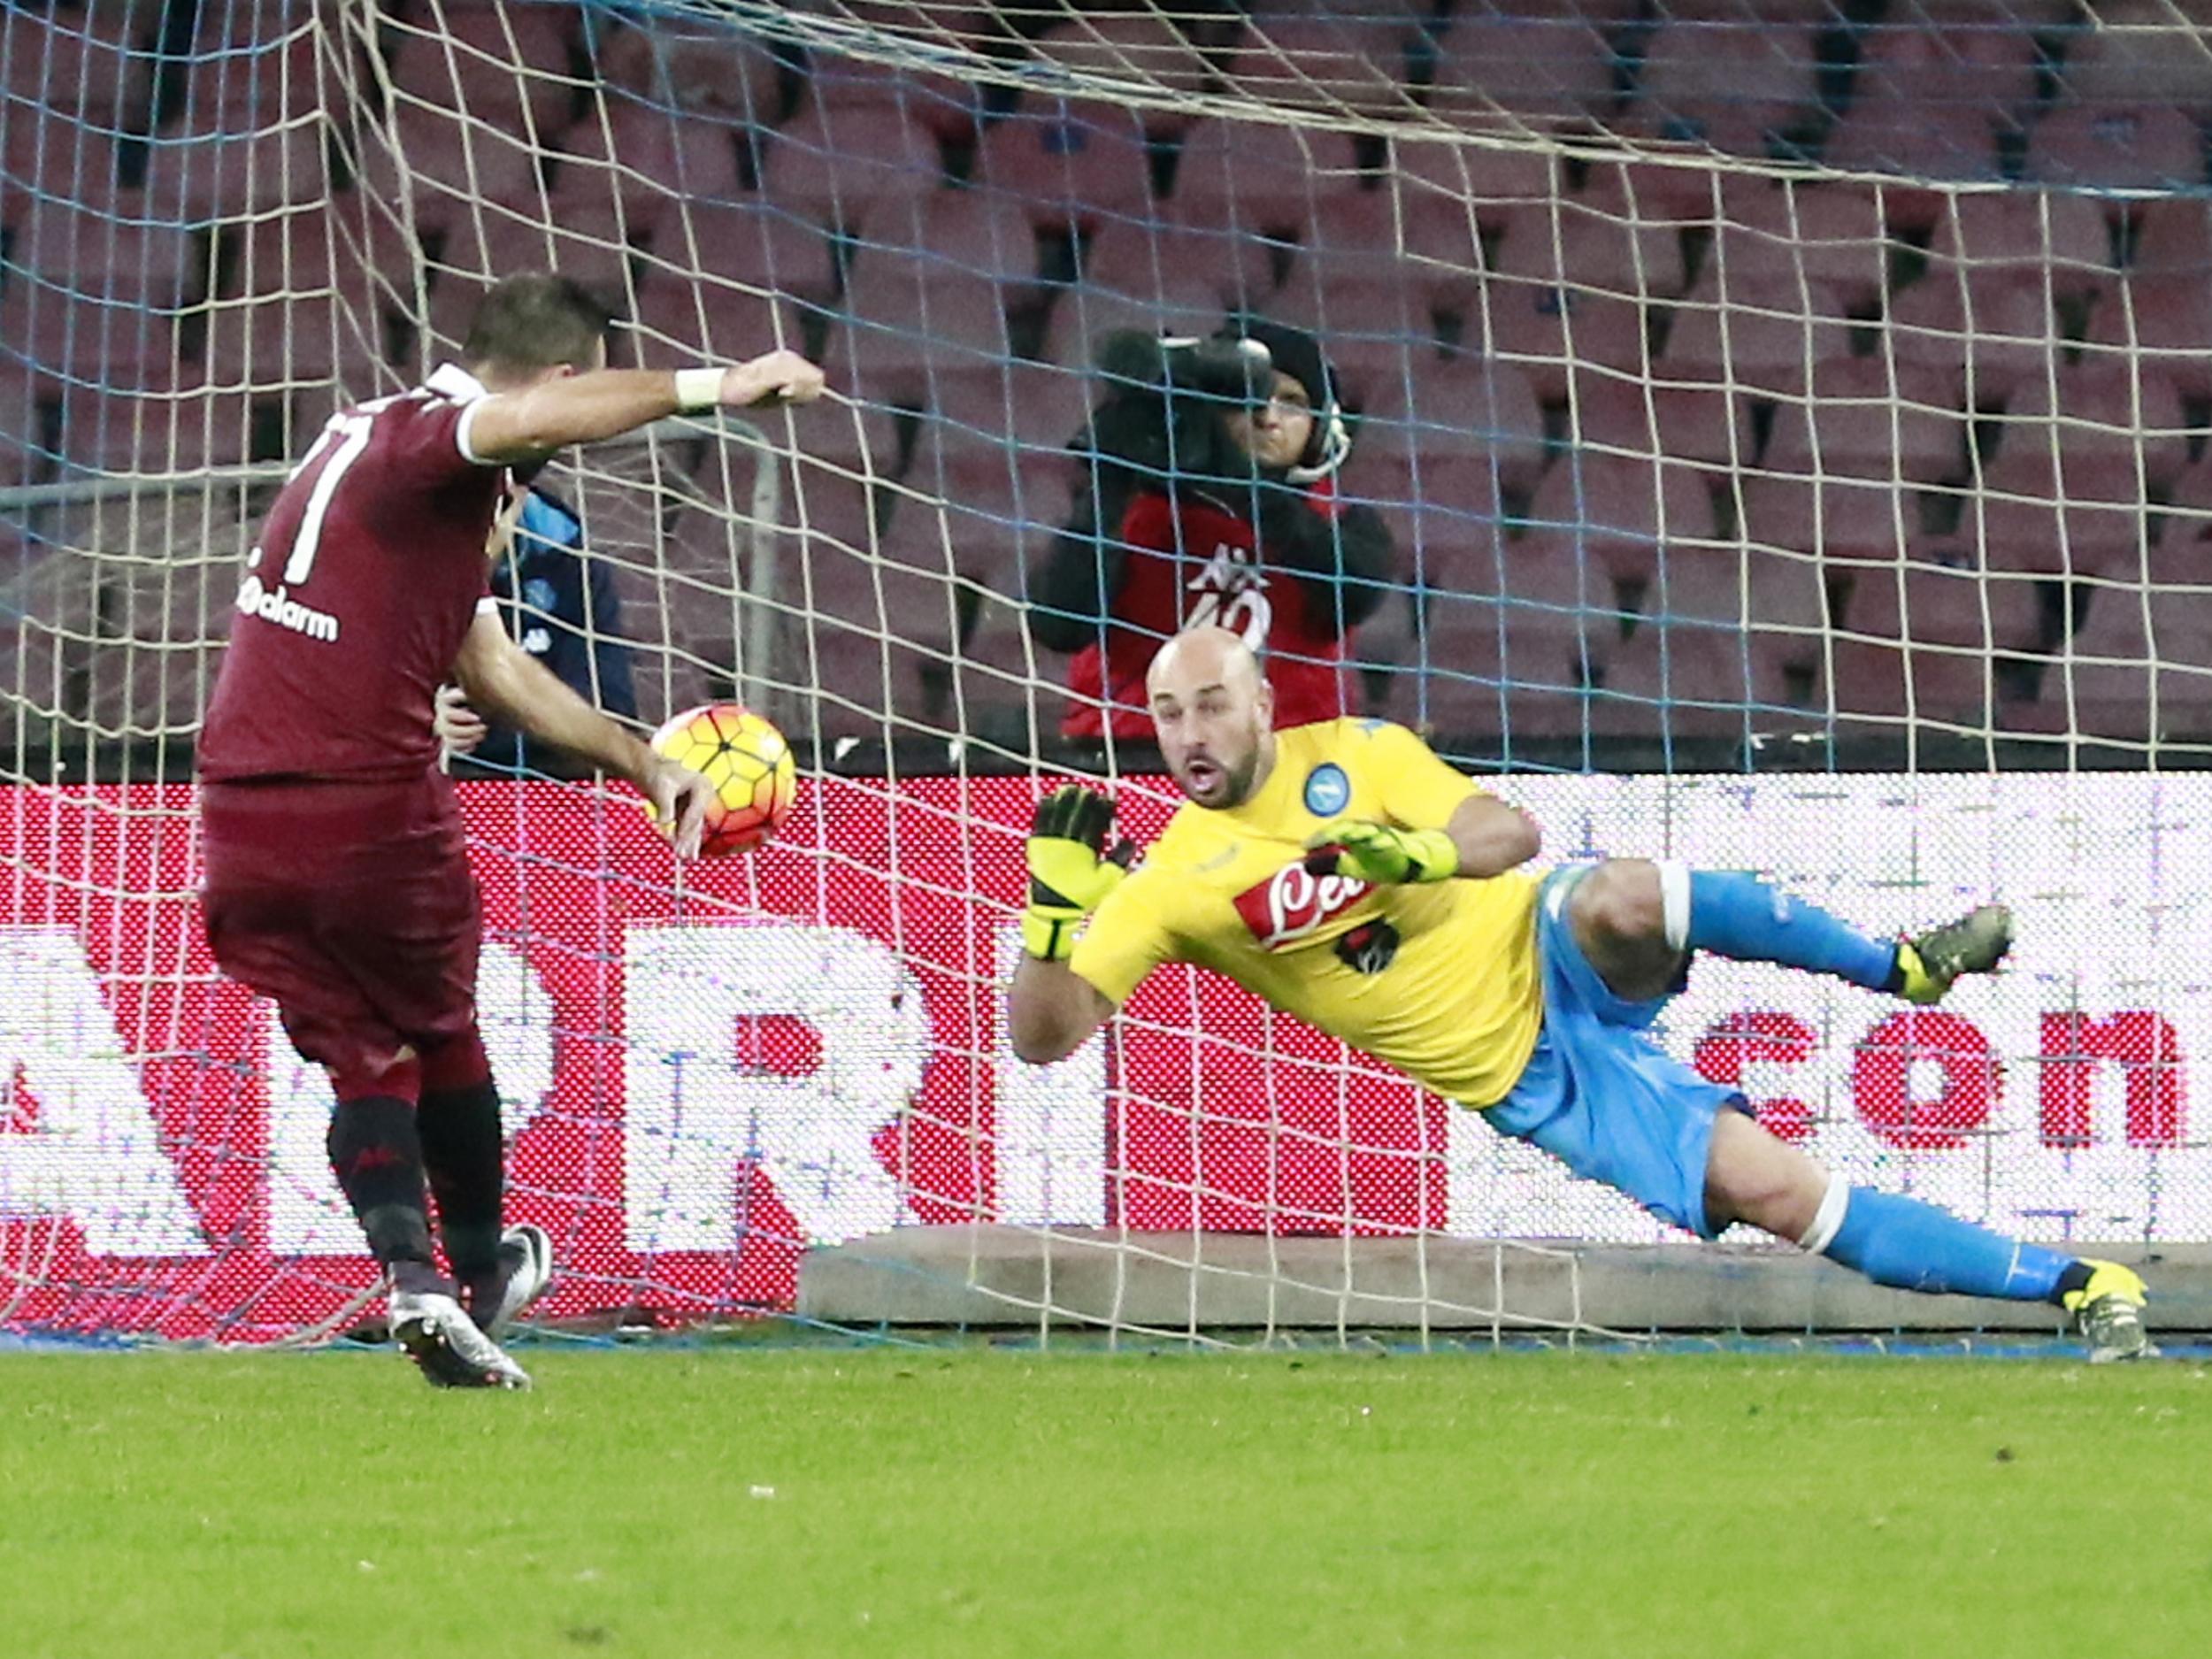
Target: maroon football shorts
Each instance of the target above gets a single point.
(351, 905)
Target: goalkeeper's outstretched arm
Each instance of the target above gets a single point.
(536, 420)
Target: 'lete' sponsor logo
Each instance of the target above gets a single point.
(1293, 902)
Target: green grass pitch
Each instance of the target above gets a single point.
(821, 1502)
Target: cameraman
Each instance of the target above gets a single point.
(1212, 500)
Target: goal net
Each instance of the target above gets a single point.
(1789, 420)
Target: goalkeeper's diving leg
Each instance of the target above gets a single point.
(1616, 940)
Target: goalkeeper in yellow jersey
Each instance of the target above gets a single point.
(1349, 877)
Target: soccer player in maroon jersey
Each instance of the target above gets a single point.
(334, 877)
(1213, 501)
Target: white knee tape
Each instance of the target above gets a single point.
(1828, 1219)
(1674, 903)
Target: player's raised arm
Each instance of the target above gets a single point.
(533, 422)
(1051, 1010)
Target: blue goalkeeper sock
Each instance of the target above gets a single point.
(1739, 916)
(1908, 1245)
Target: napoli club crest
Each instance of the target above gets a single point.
(1328, 791)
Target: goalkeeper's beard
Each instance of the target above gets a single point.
(1225, 783)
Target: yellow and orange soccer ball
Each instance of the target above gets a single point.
(748, 763)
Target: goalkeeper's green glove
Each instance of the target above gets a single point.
(1378, 853)
(1070, 868)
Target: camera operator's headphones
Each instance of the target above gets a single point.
(1270, 346)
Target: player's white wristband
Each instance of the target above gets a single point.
(698, 389)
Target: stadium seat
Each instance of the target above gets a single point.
(1069, 162)
(1760, 340)
(1515, 72)
(1703, 424)
(1572, 289)
(2009, 336)
(454, 161)
(296, 314)
(80, 67)
(1712, 77)
(2023, 522)
(1771, 235)
(982, 233)
(945, 106)
(1933, 86)
(2105, 403)
(715, 322)
(512, 67)
(1667, 683)
(1147, 48)
(1959, 610)
(629, 153)
(1867, 418)
(2140, 146)
(1355, 61)
(2166, 321)
(2022, 239)
(2172, 237)
(1459, 406)
(1250, 179)
(1444, 514)
(834, 165)
(1621, 513)
(1146, 257)
(2145, 55)
(909, 324)
(749, 243)
(710, 69)
(1450, 198)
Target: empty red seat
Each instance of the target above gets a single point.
(2106, 402)
(1070, 160)
(1622, 513)
(1571, 287)
(2166, 321)
(1934, 85)
(1524, 72)
(1991, 341)
(1705, 424)
(2024, 519)
(1766, 340)
(79, 66)
(1333, 62)
(1458, 406)
(714, 70)
(752, 244)
(835, 165)
(641, 158)
(1772, 234)
(1720, 79)
(2141, 53)
(512, 67)
(1146, 50)
(2024, 239)
(944, 105)
(1259, 178)
(1867, 419)
(2138, 146)
(908, 323)
(452, 160)
(1146, 258)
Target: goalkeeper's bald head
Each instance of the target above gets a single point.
(1214, 713)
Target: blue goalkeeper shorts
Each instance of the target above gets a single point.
(1600, 1096)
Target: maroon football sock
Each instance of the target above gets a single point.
(377, 1157)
